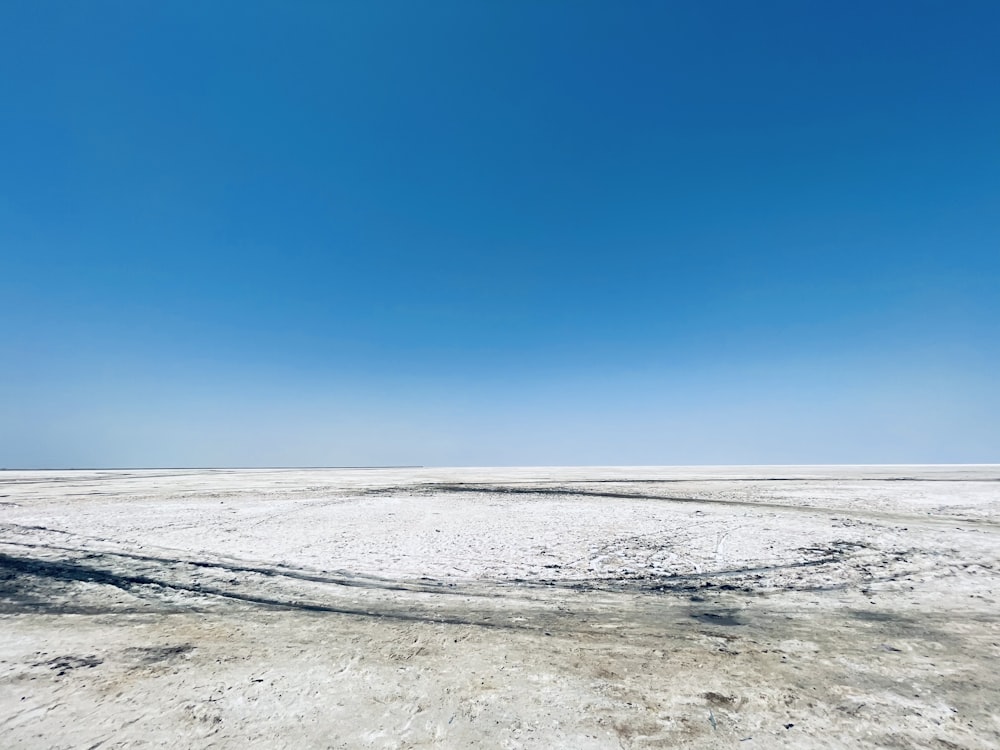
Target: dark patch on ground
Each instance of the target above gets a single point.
(869, 616)
(63, 664)
(155, 654)
(717, 699)
(726, 619)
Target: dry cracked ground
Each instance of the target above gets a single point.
(728, 607)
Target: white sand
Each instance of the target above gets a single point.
(580, 608)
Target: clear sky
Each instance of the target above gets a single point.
(446, 233)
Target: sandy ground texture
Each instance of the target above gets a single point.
(727, 607)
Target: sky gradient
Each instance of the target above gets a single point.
(454, 233)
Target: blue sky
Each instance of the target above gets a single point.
(452, 233)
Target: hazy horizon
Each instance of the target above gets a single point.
(500, 467)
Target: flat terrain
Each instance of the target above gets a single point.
(728, 607)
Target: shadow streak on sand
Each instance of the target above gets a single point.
(676, 583)
(14, 600)
(569, 491)
(487, 589)
(30, 584)
(346, 579)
